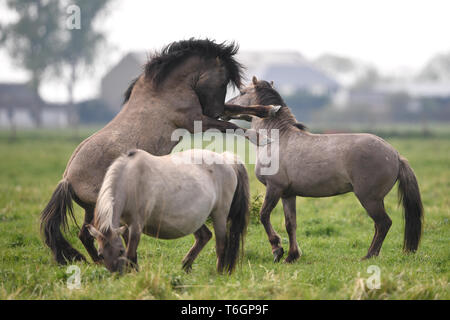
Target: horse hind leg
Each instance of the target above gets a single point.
(376, 210)
(202, 236)
(270, 201)
(220, 232)
(290, 217)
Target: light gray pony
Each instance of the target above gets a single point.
(169, 197)
(323, 165)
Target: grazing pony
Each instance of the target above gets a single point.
(324, 165)
(185, 82)
(169, 197)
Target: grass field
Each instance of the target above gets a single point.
(333, 233)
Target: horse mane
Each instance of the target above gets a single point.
(127, 94)
(266, 95)
(104, 210)
(163, 62)
(301, 126)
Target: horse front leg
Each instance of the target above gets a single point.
(290, 219)
(134, 237)
(270, 201)
(375, 209)
(243, 117)
(258, 110)
(223, 126)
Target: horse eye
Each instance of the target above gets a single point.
(242, 93)
(122, 251)
(101, 256)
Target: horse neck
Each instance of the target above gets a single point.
(108, 208)
(283, 121)
(149, 116)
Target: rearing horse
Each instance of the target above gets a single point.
(186, 82)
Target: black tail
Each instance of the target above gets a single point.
(237, 220)
(409, 196)
(52, 217)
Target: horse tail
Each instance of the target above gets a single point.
(237, 220)
(52, 217)
(409, 196)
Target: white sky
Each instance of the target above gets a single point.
(393, 35)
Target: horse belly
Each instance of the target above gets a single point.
(320, 183)
(179, 217)
(324, 189)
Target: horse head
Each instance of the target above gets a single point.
(110, 247)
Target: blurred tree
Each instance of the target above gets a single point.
(303, 103)
(94, 112)
(50, 37)
(32, 40)
(369, 79)
(82, 42)
(437, 69)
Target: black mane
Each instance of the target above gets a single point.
(127, 94)
(173, 54)
(267, 95)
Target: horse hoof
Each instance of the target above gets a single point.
(291, 258)
(70, 256)
(273, 111)
(367, 257)
(131, 266)
(187, 267)
(278, 254)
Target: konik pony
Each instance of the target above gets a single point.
(169, 197)
(324, 165)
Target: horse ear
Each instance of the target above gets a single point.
(254, 80)
(219, 62)
(271, 83)
(120, 231)
(94, 232)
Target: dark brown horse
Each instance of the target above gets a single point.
(186, 82)
(324, 165)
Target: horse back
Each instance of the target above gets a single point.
(319, 165)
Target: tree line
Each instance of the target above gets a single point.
(54, 39)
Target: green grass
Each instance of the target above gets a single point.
(333, 233)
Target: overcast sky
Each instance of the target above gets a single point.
(393, 35)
